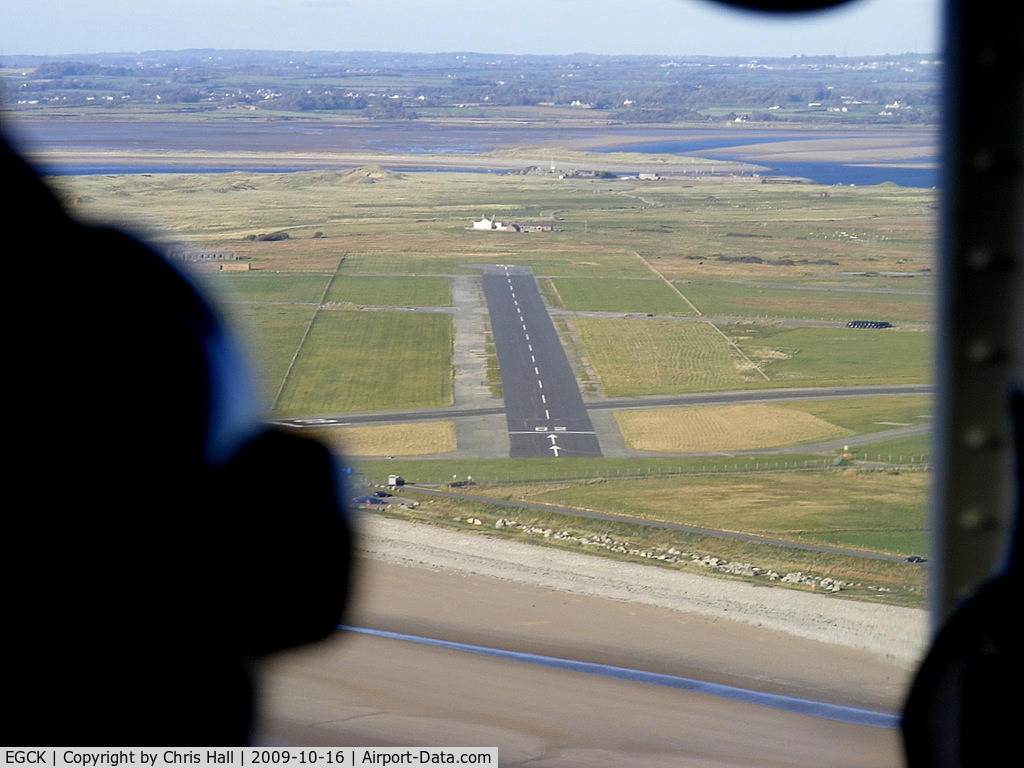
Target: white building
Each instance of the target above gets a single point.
(486, 223)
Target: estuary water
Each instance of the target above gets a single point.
(423, 138)
(921, 171)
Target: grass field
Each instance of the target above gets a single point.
(416, 439)
(644, 296)
(366, 361)
(641, 356)
(869, 414)
(268, 288)
(351, 313)
(739, 299)
(838, 356)
(390, 291)
(868, 510)
(721, 428)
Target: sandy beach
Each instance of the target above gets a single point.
(897, 635)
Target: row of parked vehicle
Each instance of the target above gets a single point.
(869, 324)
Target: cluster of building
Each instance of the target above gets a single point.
(526, 226)
(207, 259)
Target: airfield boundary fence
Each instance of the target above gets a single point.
(879, 463)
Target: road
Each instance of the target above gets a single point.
(543, 406)
(730, 397)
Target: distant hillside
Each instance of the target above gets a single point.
(898, 89)
(369, 174)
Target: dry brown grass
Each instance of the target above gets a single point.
(414, 439)
(301, 253)
(721, 428)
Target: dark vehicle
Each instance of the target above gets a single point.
(366, 499)
(869, 324)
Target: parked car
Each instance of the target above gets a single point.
(367, 499)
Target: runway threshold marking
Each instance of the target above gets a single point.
(836, 712)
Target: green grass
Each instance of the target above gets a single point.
(869, 414)
(640, 296)
(905, 450)
(514, 471)
(891, 581)
(364, 361)
(746, 300)
(262, 287)
(840, 356)
(640, 356)
(390, 291)
(273, 334)
(845, 507)
(393, 244)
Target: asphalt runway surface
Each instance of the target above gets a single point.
(543, 407)
(365, 690)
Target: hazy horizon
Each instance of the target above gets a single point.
(542, 27)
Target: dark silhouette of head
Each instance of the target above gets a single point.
(163, 539)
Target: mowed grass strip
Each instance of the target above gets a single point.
(869, 414)
(641, 296)
(364, 361)
(397, 291)
(272, 334)
(413, 439)
(740, 300)
(457, 251)
(840, 356)
(640, 356)
(270, 288)
(721, 428)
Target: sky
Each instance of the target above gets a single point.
(663, 27)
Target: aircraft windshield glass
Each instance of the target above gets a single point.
(620, 314)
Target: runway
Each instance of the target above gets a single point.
(544, 410)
